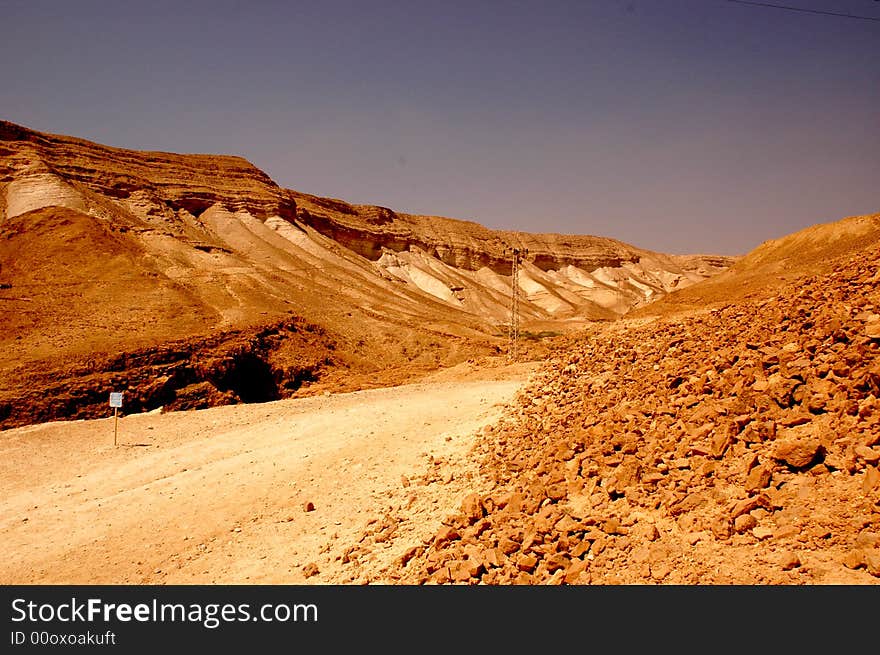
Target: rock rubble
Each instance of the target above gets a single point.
(738, 445)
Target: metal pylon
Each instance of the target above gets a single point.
(513, 333)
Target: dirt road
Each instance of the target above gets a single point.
(221, 495)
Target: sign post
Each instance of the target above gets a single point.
(115, 403)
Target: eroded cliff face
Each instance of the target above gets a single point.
(370, 230)
(40, 170)
(565, 275)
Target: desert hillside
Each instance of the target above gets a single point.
(563, 276)
(773, 264)
(185, 279)
(737, 445)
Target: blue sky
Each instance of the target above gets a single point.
(675, 125)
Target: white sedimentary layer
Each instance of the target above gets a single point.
(37, 190)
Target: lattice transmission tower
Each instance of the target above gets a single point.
(513, 333)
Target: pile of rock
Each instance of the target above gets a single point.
(739, 445)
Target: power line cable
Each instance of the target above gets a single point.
(804, 10)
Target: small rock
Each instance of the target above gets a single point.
(747, 505)
(556, 561)
(870, 455)
(445, 535)
(819, 469)
(797, 452)
(744, 523)
(871, 479)
(796, 419)
(646, 531)
(464, 570)
(309, 506)
(854, 559)
(868, 539)
(659, 570)
(493, 557)
(762, 532)
(580, 548)
(411, 553)
(760, 514)
(752, 461)
(758, 478)
(785, 532)
(310, 570)
(721, 528)
(641, 554)
(721, 442)
(872, 562)
(472, 508)
(574, 571)
(441, 575)
(526, 562)
(612, 526)
(789, 560)
(872, 330)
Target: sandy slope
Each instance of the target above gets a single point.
(217, 496)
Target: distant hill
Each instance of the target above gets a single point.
(813, 250)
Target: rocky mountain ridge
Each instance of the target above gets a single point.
(180, 194)
(370, 230)
(40, 170)
(107, 251)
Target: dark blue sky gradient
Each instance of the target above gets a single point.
(675, 125)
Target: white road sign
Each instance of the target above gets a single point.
(116, 399)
